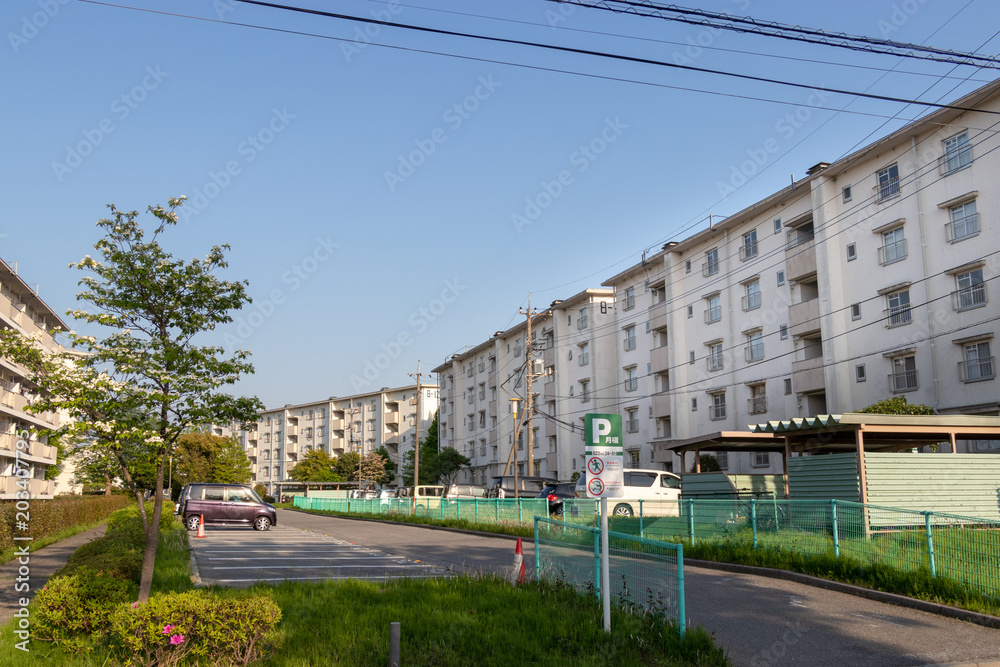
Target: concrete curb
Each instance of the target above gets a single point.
(805, 579)
(858, 591)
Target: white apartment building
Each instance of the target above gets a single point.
(361, 423)
(23, 311)
(867, 279)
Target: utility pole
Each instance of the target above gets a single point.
(529, 403)
(416, 434)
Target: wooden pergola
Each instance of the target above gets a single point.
(831, 434)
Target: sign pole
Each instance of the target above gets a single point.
(605, 566)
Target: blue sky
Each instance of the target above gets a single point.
(396, 202)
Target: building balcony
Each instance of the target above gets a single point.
(392, 417)
(757, 405)
(658, 316)
(659, 359)
(492, 409)
(803, 317)
(549, 391)
(968, 298)
(800, 256)
(36, 452)
(976, 370)
(252, 453)
(37, 488)
(661, 405)
(549, 356)
(807, 375)
(903, 381)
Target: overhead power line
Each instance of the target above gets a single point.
(600, 54)
(746, 24)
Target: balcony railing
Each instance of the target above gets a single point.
(748, 250)
(897, 316)
(710, 268)
(751, 301)
(713, 314)
(892, 252)
(714, 362)
(754, 351)
(629, 343)
(963, 228)
(886, 189)
(632, 425)
(969, 297)
(757, 405)
(903, 381)
(976, 370)
(717, 412)
(954, 160)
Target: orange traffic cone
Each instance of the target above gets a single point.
(201, 527)
(517, 574)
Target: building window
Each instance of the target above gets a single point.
(781, 278)
(629, 338)
(846, 192)
(964, 222)
(757, 403)
(718, 410)
(783, 331)
(893, 247)
(584, 356)
(755, 346)
(855, 311)
(694, 405)
(585, 391)
(713, 313)
(629, 298)
(761, 459)
(971, 292)
(777, 225)
(852, 252)
(691, 357)
(687, 266)
(690, 312)
(957, 153)
(581, 321)
(749, 247)
(751, 299)
(888, 183)
(978, 364)
(711, 265)
(631, 379)
(715, 359)
(633, 458)
(788, 386)
(632, 420)
(859, 373)
(898, 312)
(904, 374)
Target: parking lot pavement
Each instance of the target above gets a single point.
(239, 557)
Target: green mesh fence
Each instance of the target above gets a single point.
(644, 574)
(521, 511)
(963, 548)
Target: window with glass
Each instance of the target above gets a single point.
(893, 246)
(971, 292)
(761, 459)
(629, 298)
(718, 406)
(715, 359)
(755, 346)
(629, 338)
(584, 354)
(964, 222)
(888, 183)
(749, 247)
(711, 266)
(632, 420)
(631, 379)
(904, 374)
(977, 364)
(957, 153)
(713, 313)
(581, 321)
(757, 403)
(898, 312)
(585, 391)
(751, 300)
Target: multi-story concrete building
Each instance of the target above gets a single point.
(361, 423)
(23, 311)
(867, 279)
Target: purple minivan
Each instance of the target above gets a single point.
(224, 505)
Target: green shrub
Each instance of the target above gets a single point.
(218, 630)
(71, 608)
(48, 517)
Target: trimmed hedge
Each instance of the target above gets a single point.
(48, 517)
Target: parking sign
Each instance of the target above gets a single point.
(604, 455)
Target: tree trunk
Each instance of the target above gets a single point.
(152, 538)
(107, 484)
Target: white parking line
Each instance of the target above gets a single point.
(322, 567)
(385, 578)
(318, 558)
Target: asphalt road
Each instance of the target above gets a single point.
(758, 621)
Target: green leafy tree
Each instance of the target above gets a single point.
(203, 457)
(897, 405)
(372, 469)
(708, 463)
(146, 382)
(388, 466)
(436, 467)
(315, 466)
(347, 466)
(448, 463)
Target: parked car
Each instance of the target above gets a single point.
(660, 492)
(465, 491)
(425, 497)
(224, 505)
(528, 487)
(555, 493)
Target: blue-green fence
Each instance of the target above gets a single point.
(644, 574)
(521, 511)
(963, 548)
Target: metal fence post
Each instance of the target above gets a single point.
(477, 510)
(753, 520)
(537, 576)
(641, 533)
(597, 563)
(681, 614)
(836, 536)
(497, 501)
(691, 520)
(520, 517)
(930, 543)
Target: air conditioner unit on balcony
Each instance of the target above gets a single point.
(537, 366)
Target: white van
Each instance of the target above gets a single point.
(659, 492)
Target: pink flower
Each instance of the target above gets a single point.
(176, 639)
(167, 629)
(135, 605)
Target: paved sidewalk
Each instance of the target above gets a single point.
(41, 565)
